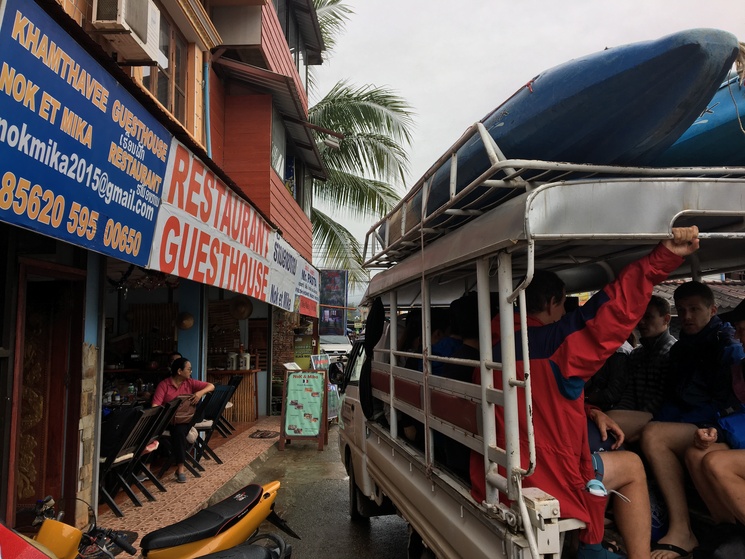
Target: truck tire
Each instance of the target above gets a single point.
(416, 548)
(355, 497)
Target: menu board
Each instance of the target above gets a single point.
(304, 413)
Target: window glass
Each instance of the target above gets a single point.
(357, 357)
(164, 88)
(165, 38)
(167, 80)
(278, 144)
(180, 65)
(301, 67)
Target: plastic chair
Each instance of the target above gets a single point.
(139, 466)
(224, 427)
(220, 397)
(111, 478)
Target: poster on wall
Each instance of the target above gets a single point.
(303, 350)
(333, 301)
(80, 159)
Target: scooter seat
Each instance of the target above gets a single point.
(207, 523)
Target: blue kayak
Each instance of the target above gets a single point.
(622, 106)
(716, 138)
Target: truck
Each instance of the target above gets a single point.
(585, 223)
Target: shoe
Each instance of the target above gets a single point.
(682, 553)
(596, 551)
(181, 478)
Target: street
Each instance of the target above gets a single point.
(314, 500)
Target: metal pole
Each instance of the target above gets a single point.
(488, 420)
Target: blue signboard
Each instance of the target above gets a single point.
(80, 159)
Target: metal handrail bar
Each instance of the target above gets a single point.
(513, 170)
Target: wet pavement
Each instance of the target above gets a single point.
(313, 499)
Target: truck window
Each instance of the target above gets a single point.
(356, 359)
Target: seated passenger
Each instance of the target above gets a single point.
(605, 388)
(465, 316)
(566, 350)
(717, 471)
(413, 429)
(648, 371)
(700, 368)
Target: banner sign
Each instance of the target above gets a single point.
(80, 159)
(206, 233)
(294, 281)
(333, 319)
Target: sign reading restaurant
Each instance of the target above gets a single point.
(83, 161)
(207, 233)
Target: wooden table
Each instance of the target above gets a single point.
(246, 397)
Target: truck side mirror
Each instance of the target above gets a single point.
(336, 373)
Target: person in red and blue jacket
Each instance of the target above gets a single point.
(565, 351)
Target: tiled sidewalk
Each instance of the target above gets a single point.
(184, 499)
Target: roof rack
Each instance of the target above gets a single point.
(413, 224)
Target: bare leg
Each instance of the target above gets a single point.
(624, 473)
(631, 422)
(702, 466)
(726, 470)
(664, 445)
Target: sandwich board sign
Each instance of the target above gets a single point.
(304, 408)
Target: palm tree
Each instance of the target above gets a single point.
(370, 159)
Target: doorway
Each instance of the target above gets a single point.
(47, 388)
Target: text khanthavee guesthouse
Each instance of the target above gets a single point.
(124, 240)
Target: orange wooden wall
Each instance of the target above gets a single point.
(292, 221)
(246, 157)
(277, 52)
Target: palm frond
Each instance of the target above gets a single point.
(371, 159)
(357, 197)
(358, 110)
(336, 248)
(332, 18)
(376, 155)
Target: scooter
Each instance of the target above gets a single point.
(57, 540)
(228, 529)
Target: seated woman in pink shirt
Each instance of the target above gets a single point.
(178, 384)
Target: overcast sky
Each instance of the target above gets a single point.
(454, 61)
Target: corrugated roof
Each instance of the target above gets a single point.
(307, 19)
(727, 293)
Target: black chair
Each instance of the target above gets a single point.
(113, 466)
(191, 463)
(139, 470)
(224, 427)
(220, 397)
